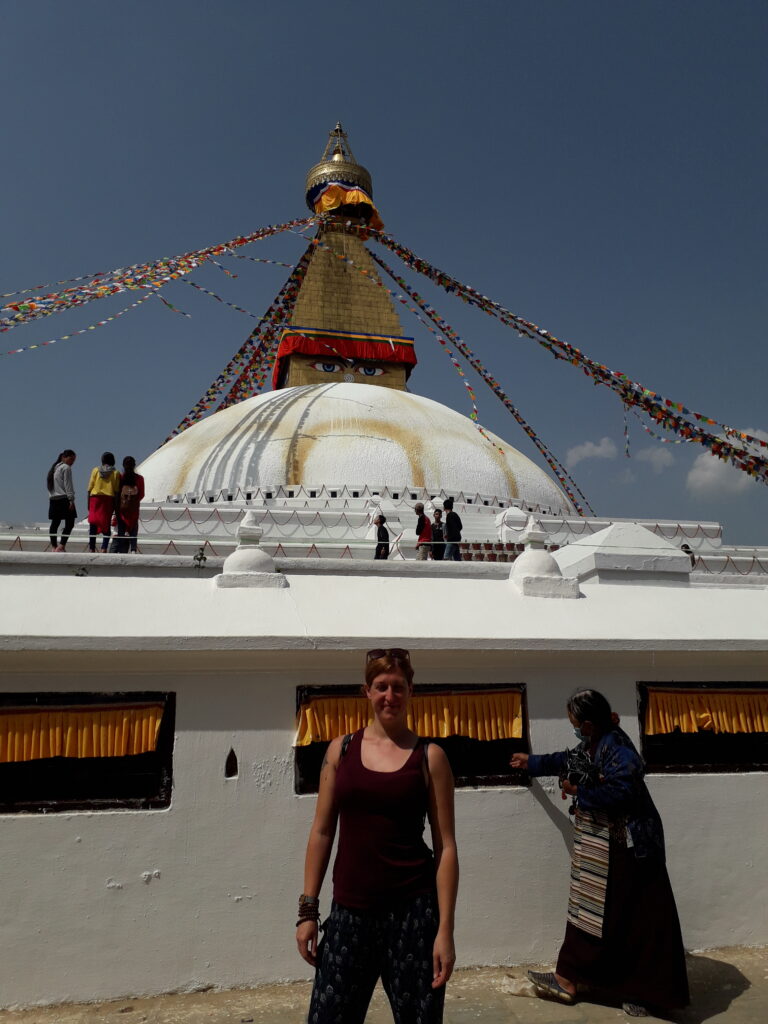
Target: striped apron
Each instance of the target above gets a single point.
(589, 871)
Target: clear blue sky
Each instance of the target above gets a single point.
(598, 167)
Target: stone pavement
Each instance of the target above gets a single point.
(727, 985)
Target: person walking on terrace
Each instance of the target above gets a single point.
(103, 489)
(61, 499)
(128, 506)
(622, 937)
(438, 543)
(382, 538)
(423, 533)
(393, 898)
(453, 528)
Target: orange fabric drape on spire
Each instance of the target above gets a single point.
(90, 731)
(729, 711)
(490, 715)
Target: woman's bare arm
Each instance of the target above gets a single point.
(441, 819)
(319, 847)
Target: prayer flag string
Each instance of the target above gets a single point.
(234, 373)
(138, 276)
(566, 480)
(399, 298)
(669, 415)
(219, 298)
(84, 330)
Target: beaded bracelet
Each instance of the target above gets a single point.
(309, 909)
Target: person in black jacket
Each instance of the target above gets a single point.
(452, 531)
(382, 538)
(438, 539)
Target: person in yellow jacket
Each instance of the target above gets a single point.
(103, 491)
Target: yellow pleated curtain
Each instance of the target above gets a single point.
(29, 734)
(720, 711)
(479, 716)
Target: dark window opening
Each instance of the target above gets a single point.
(313, 494)
(355, 494)
(334, 494)
(268, 494)
(474, 762)
(395, 496)
(705, 750)
(230, 765)
(54, 784)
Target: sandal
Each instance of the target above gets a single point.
(548, 987)
(634, 1010)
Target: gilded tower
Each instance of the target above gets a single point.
(344, 325)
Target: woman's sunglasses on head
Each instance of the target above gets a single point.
(388, 652)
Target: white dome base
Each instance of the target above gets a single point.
(345, 435)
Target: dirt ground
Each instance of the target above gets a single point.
(726, 985)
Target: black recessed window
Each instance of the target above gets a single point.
(475, 762)
(86, 751)
(704, 727)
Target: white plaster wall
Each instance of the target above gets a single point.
(81, 923)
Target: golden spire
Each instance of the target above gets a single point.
(337, 164)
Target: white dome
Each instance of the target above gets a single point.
(339, 434)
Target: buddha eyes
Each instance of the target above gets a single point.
(364, 371)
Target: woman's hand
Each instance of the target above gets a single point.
(306, 940)
(568, 787)
(519, 761)
(443, 958)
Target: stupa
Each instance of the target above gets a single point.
(341, 437)
(164, 715)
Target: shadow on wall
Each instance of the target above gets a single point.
(562, 822)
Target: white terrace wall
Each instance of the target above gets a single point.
(224, 862)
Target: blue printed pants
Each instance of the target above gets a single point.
(358, 948)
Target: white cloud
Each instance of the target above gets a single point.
(710, 477)
(604, 449)
(658, 459)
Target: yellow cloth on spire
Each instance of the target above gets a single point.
(342, 195)
(490, 715)
(105, 731)
(714, 710)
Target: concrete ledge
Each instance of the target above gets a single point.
(49, 563)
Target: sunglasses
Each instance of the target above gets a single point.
(388, 652)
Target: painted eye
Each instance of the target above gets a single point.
(370, 371)
(326, 367)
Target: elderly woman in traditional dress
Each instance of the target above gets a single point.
(622, 937)
(393, 898)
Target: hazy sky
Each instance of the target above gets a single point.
(598, 167)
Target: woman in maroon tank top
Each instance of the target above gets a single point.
(393, 898)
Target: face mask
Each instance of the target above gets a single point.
(579, 734)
